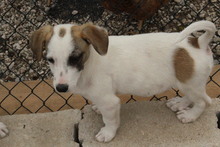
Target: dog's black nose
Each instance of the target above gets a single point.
(62, 87)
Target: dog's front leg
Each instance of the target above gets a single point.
(109, 106)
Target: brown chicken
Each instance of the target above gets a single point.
(138, 9)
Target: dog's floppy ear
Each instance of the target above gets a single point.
(97, 36)
(39, 40)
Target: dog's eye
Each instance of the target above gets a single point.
(51, 60)
(74, 60)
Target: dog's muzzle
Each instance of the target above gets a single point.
(62, 87)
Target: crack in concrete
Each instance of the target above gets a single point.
(218, 116)
(76, 132)
(76, 135)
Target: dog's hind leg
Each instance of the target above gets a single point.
(178, 103)
(109, 106)
(197, 95)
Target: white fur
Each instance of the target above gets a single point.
(139, 65)
(62, 47)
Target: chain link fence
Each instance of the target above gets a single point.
(24, 84)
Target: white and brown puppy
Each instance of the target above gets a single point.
(85, 60)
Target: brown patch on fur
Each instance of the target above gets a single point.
(194, 42)
(93, 35)
(39, 40)
(97, 36)
(183, 65)
(87, 34)
(62, 32)
(80, 44)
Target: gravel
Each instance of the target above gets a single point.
(20, 17)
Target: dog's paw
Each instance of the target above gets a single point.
(105, 135)
(3, 130)
(178, 104)
(95, 108)
(186, 116)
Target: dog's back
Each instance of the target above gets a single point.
(144, 64)
(138, 63)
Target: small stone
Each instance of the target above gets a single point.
(178, 1)
(22, 70)
(11, 53)
(184, 20)
(202, 15)
(17, 79)
(218, 32)
(216, 62)
(33, 11)
(4, 36)
(47, 9)
(11, 65)
(74, 12)
(16, 46)
(40, 18)
(1, 55)
(209, 18)
(218, 51)
(41, 72)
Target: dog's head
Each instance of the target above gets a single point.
(68, 48)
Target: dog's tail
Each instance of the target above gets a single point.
(205, 38)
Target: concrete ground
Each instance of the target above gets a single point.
(143, 124)
(152, 124)
(54, 129)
